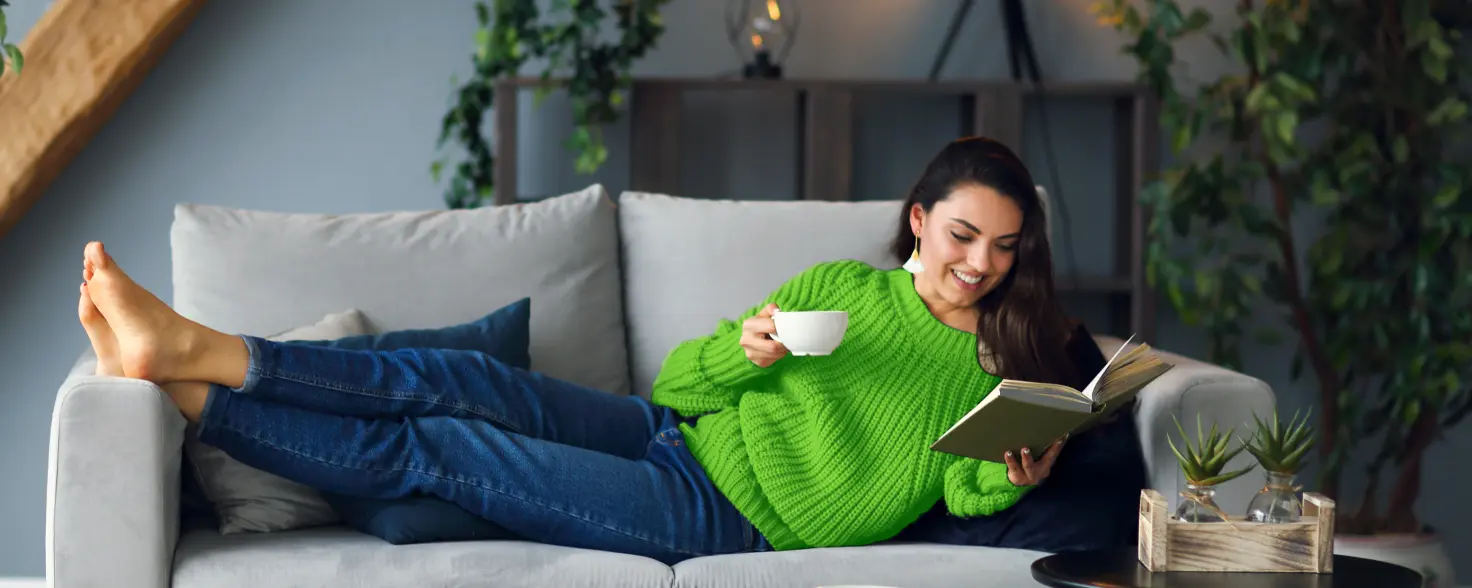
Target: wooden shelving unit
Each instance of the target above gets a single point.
(825, 114)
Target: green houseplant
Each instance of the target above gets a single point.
(566, 37)
(1319, 186)
(8, 52)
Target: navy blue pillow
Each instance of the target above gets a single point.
(504, 334)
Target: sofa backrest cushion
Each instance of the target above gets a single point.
(688, 263)
(257, 272)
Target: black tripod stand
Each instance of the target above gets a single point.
(1019, 41)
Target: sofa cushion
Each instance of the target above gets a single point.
(689, 263)
(246, 499)
(334, 556)
(895, 564)
(260, 272)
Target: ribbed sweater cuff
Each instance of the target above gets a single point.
(724, 364)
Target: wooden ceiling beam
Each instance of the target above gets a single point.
(83, 59)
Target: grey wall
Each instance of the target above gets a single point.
(333, 106)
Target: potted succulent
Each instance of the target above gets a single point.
(1280, 450)
(1203, 464)
(8, 52)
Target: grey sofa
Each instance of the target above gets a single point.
(613, 286)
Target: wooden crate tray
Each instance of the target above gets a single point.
(1168, 545)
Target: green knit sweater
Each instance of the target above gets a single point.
(832, 451)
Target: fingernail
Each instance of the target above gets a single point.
(1026, 451)
(1009, 454)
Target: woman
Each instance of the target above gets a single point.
(742, 447)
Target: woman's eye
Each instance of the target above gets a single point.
(1007, 247)
(961, 238)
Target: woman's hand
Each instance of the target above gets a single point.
(1026, 471)
(756, 338)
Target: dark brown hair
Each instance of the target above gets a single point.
(1022, 325)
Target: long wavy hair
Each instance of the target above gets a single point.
(1022, 327)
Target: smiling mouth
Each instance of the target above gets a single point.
(968, 282)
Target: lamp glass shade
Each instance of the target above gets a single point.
(762, 32)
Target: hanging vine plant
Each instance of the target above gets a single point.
(9, 52)
(512, 32)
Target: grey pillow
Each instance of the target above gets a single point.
(253, 271)
(246, 499)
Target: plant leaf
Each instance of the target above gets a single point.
(1293, 458)
(1214, 480)
(1186, 465)
(1447, 196)
(1262, 458)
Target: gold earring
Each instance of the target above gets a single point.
(913, 265)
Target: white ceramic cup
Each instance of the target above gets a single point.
(810, 332)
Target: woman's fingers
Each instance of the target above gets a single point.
(1015, 470)
(760, 344)
(1023, 470)
(1044, 467)
(760, 325)
(1055, 449)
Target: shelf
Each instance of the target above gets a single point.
(1097, 89)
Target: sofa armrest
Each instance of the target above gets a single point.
(112, 483)
(1194, 388)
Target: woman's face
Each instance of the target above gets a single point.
(968, 243)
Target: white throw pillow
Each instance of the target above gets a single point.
(248, 500)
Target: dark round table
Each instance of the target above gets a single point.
(1122, 568)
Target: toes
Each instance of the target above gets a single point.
(86, 308)
(96, 256)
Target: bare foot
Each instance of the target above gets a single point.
(154, 342)
(189, 397)
(104, 342)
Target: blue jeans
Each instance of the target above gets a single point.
(546, 459)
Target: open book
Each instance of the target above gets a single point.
(1029, 414)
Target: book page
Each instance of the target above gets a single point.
(1093, 384)
(1045, 397)
(1139, 368)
